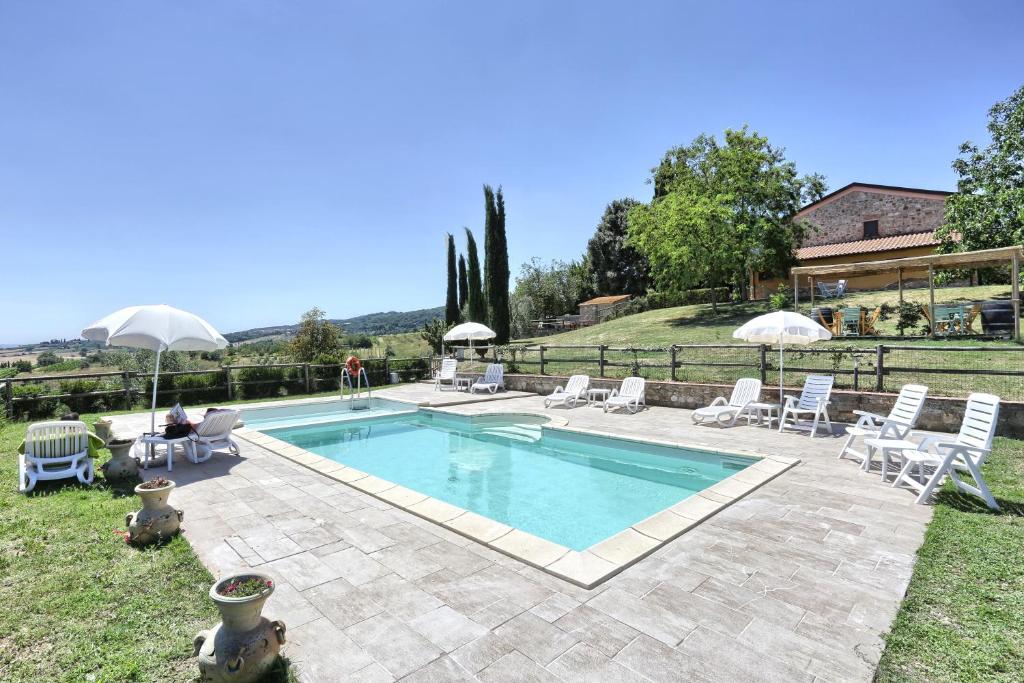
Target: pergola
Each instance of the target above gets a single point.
(964, 259)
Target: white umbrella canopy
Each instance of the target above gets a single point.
(157, 328)
(782, 327)
(469, 331)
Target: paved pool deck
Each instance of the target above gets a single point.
(796, 581)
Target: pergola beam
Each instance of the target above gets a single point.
(981, 258)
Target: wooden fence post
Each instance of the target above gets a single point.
(600, 359)
(541, 359)
(762, 362)
(9, 398)
(227, 377)
(126, 380)
(305, 374)
(879, 368)
(672, 361)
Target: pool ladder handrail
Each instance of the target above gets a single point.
(355, 393)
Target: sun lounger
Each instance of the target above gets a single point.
(573, 392)
(493, 379)
(896, 425)
(54, 450)
(725, 413)
(813, 401)
(629, 396)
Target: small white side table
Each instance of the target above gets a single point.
(596, 395)
(463, 383)
(154, 440)
(773, 411)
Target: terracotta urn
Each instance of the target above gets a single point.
(245, 644)
(156, 521)
(102, 428)
(122, 465)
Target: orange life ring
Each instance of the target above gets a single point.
(353, 365)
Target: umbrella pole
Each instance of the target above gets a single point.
(156, 373)
(780, 369)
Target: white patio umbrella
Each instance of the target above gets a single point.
(469, 332)
(157, 328)
(782, 327)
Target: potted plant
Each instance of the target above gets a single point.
(156, 521)
(245, 644)
(122, 465)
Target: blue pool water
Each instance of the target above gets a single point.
(570, 488)
(319, 412)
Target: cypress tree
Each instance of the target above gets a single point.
(451, 305)
(496, 263)
(475, 303)
(463, 282)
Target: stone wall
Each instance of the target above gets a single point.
(939, 414)
(842, 219)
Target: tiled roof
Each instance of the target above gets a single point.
(607, 299)
(915, 239)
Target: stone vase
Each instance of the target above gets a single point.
(245, 644)
(122, 465)
(156, 521)
(102, 428)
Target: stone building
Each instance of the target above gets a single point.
(866, 222)
(596, 310)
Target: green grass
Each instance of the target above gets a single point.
(963, 615)
(78, 603)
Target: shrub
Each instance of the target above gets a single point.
(264, 381)
(47, 358)
(908, 315)
(780, 299)
(23, 366)
(40, 407)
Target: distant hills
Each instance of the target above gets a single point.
(388, 322)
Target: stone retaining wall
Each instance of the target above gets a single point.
(940, 414)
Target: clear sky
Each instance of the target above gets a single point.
(248, 160)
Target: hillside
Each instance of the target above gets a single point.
(698, 324)
(385, 322)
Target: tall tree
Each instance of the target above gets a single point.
(988, 209)
(476, 304)
(723, 210)
(617, 266)
(496, 271)
(463, 282)
(315, 337)
(451, 303)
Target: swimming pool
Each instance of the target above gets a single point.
(320, 412)
(570, 488)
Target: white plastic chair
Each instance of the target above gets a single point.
(967, 453)
(493, 379)
(813, 401)
(896, 425)
(725, 413)
(571, 394)
(629, 396)
(449, 368)
(55, 450)
(213, 433)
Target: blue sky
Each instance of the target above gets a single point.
(249, 160)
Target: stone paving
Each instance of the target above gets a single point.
(795, 582)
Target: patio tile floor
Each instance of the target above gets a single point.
(796, 581)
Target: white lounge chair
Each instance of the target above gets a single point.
(725, 413)
(629, 396)
(814, 400)
(967, 453)
(896, 425)
(449, 368)
(55, 450)
(213, 433)
(493, 379)
(574, 391)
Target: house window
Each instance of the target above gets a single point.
(870, 229)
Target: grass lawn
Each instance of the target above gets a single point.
(963, 616)
(78, 602)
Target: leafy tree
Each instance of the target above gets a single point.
(451, 304)
(463, 283)
(47, 358)
(988, 209)
(433, 333)
(552, 289)
(316, 336)
(721, 211)
(496, 272)
(522, 315)
(617, 266)
(475, 301)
